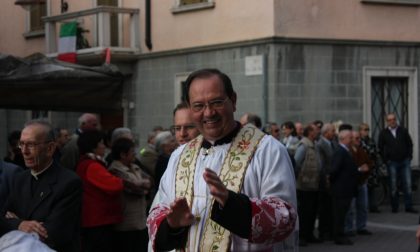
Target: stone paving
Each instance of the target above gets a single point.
(392, 232)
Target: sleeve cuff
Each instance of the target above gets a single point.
(237, 222)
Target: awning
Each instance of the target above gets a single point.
(40, 83)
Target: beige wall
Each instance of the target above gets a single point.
(237, 20)
(229, 21)
(12, 27)
(346, 19)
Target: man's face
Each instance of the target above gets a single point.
(330, 133)
(63, 138)
(275, 131)
(391, 121)
(213, 121)
(184, 127)
(299, 129)
(36, 151)
(364, 131)
(356, 139)
(347, 139)
(91, 123)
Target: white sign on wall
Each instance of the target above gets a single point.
(254, 65)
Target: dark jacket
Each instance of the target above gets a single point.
(395, 148)
(7, 173)
(56, 202)
(344, 174)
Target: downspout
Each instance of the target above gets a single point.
(148, 35)
(265, 88)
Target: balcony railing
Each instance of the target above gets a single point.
(106, 27)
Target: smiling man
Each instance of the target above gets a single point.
(46, 198)
(230, 189)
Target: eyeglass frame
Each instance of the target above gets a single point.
(213, 104)
(31, 145)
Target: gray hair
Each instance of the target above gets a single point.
(120, 133)
(48, 128)
(326, 127)
(162, 138)
(85, 117)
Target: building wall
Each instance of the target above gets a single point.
(346, 19)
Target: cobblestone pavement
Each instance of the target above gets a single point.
(392, 232)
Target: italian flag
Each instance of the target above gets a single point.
(67, 42)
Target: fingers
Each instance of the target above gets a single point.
(33, 226)
(217, 189)
(179, 214)
(11, 215)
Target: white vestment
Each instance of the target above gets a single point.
(269, 175)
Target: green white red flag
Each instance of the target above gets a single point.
(67, 42)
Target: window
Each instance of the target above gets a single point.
(179, 87)
(388, 89)
(185, 2)
(34, 23)
(401, 2)
(37, 11)
(191, 5)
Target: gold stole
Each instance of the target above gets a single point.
(232, 173)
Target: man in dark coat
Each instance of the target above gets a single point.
(396, 149)
(46, 198)
(344, 178)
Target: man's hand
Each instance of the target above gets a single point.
(217, 188)
(180, 214)
(11, 215)
(33, 226)
(418, 235)
(364, 168)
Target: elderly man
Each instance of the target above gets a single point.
(184, 127)
(308, 168)
(70, 151)
(230, 189)
(326, 151)
(396, 148)
(344, 177)
(45, 199)
(273, 129)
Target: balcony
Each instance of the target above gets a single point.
(104, 27)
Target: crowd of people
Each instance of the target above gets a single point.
(206, 182)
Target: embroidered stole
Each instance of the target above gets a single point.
(232, 173)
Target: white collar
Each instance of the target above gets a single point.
(36, 174)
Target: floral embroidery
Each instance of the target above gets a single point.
(272, 220)
(185, 176)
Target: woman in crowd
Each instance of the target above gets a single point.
(131, 233)
(101, 207)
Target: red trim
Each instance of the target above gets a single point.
(156, 216)
(273, 220)
(68, 57)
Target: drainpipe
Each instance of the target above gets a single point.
(265, 88)
(148, 35)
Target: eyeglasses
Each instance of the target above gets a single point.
(214, 104)
(178, 128)
(30, 145)
(366, 129)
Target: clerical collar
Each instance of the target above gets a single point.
(224, 140)
(37, 174)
